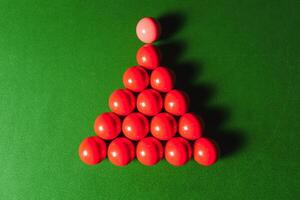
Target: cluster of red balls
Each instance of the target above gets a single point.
(149, 104)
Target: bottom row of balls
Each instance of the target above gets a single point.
(149, 151)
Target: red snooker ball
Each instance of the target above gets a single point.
(135, 126)
(176, 102)
(107, 126)
(149, 102)
(205, 151)
(148, 56)
(162, 79)
(92, 150)
(178, 151)
(148, 30)
(163, 126)
(136, 79)
(149, 151)
(190, 126)
(121, 151)
(122, 102)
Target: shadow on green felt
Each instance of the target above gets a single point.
(229, 140)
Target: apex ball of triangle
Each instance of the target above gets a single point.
(148, 56)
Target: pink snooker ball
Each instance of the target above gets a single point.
(148, 30)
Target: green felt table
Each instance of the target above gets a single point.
(238, 61)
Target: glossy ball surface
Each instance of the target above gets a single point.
(176, 102)
(162, 79)
(148, 30)
(148, 56)
(190, 126)
(92, 150)
(149, 102)
(205, 151)
(108, 125)
(122, 102)
(163, 126)
(121, 151)
(135, 126)
(149, 151)
(136, 79)
(178, 151)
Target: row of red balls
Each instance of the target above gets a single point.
(149, 102)
(137, 79)
(149, 151)
(136, 126)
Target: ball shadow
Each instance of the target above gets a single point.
(170, 24)
(187, 72)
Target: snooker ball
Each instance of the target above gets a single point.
(92, 150)
(135, 126)
(190, 126)
(205, 151)
(122, 102)
(148, 56)
(163, 126)
(162, 79)
(136, 79)
(108, 125)
(149, 102)
(121, 151)
(176, 102)
(178, 151)
(149, 151)
(148, 30)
